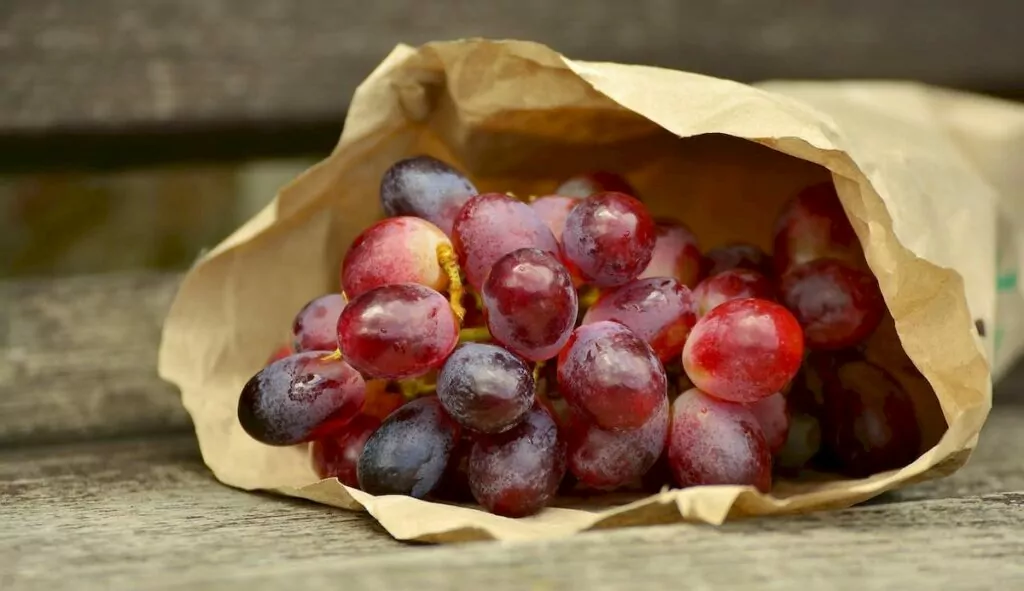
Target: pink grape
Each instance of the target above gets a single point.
(337, 455)
(609, 238)
(733, 284)
(676, 254)
(394, 250)
(813, 225)
(591, 183)
(485, 387)
(737, 255)
(531, 305)
(611, 376)
(658, 310)
(553, 210)
(408, 454)
(491, 225)
(427, 188)
(300, 398)
(315, 327)
(837, 305)
(397, 331)
(744, 350)
(606, 460)
(517, 473)
(773, 416)
(712, 442)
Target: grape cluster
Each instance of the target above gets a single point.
(503, 350)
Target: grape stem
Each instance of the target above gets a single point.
(450, 264)
(415, 387)
(474, 334)
(336, 356)
(588, 297)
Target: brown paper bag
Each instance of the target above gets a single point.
(917, 170)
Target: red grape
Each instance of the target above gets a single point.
(869, 422)
(676, 254)
(733, 284)
(394, 250)
(591, 183)
(491, 225)
(408, 454)
(744, 350)
(552, 210)
(611, 376)
(300, 398)
(802, 443)
(658, 310)
(712, 441)
(813, 226)
(397, 331)
(315, 327)
(427, 188)
(517, 473)
(737, 255)
(606, 460)
(837, 306)
(530, 303)
(609, 238)
(485, 387)
(773, 415)
(337, 455)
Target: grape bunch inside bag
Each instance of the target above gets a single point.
(923, 176)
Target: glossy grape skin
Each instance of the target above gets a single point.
(315, 327)
(397, 331)
(676, 254)
(610, 376)
(517, 473)
(733, 284)
(714, 442)
(590, 183)
(772, 414)
(744, 350)
(485, 387)
(837, 305)
(394, 250)
(530, 303)
(337, 455)
(737, 255)
(606, 460)
(553, 210)
(491, 225)
(813, 225)
(408, 454)
(658, 310)
(300, 398)
(427, 188)
(869, 423)
(609, 238)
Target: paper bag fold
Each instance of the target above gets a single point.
(920, 179)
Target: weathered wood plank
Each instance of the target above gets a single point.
(108, 64)
(147, 515)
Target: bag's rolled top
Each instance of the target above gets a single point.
(722, 157)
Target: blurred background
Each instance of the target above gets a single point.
(134, 133)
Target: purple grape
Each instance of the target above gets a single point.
(315, 327)
(485, 387)
(427, 188)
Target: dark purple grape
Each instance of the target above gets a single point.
(425, 187)
(531, 303)
(408, 454)
(300, 398)
(485, 387)
(517, 473)
(609, 238)
(315, 327)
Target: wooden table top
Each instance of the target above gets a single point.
(102, 486)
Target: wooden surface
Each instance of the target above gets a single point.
(114, 64)
(102, 486)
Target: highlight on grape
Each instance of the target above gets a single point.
(486, 348)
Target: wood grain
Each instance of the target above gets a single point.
(115, 64)
(146, 514)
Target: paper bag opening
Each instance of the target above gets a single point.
(720, 156)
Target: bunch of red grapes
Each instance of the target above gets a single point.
(490, 348)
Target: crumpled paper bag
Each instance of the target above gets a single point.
(926, 176)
